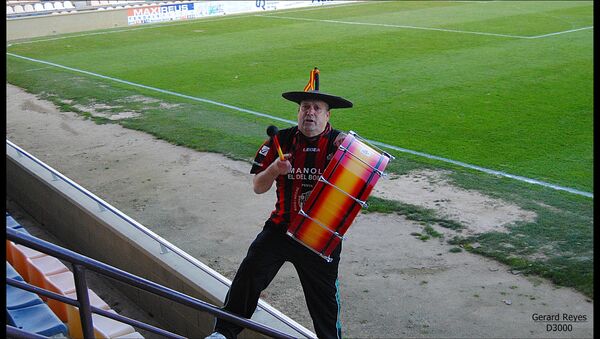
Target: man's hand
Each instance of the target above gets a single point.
(263, 181)
(282, 166)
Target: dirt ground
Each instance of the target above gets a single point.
(392, 285)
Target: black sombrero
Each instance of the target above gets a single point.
(311, 92)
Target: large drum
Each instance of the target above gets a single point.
(338, 196)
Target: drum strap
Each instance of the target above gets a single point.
(333, 134)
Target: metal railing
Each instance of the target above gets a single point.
(80, 263)
(17, 333)
(164, 245)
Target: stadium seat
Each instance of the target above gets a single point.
(36, 319)
(10, 244)
(104, 2)
(68, 5)
(19, 298)
(39, 268)
(48, 6)
(38, 7)
(11, 273)
(134, 335)
(94, 3)
(28, 8)
(73, 318)
(9, 10)
(108, 328)
(58, 5)
(11, 222)
(20, 255)
(18, 9)
(61, 283)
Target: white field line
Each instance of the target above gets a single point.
(557, 33)
(159, 25)
(422, 28)
(153, 88)
(315, 8)
(264, 115)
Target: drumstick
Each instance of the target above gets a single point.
(272, 132)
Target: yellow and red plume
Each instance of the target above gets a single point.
(313, 82)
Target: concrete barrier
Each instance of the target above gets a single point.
(88, 18)
(36, 26)
(92, 227)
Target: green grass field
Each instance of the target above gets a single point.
(523, 106)
(476, 82)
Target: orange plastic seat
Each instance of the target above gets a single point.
(73, 318)
(12, 223)
(20, 255)
(61, 283)
(9, 246)
(39, 268)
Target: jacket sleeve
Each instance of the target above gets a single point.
(264, 157)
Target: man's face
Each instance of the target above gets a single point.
(313, 116)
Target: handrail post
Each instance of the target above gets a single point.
(85, 311)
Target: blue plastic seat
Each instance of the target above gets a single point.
(21, 229)
(12, 273)
(19, 298)
(11, 222)
(36, 319)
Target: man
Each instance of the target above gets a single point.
(308, 147)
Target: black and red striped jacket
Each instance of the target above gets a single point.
(310, 157)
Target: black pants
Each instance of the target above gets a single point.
(269, 251)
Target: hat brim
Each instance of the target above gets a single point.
(332, 100)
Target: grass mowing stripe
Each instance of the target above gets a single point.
(429, 156)
(486, 170)
(92, 33)
(394, 26)
(425, 28)
(515, 105)
(208, 101)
